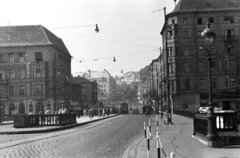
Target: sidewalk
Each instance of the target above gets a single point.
(177, 138)
(7, 127)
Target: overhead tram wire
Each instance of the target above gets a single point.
(110, 57)
(106, 39)
(131, 16)
(66, 27)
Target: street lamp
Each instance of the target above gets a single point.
(212, 135)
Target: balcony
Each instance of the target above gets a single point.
(230, 38)
(3, 81)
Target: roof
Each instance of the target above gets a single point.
(206, 5)
(100, 74)
(29, 35)
(79, 80)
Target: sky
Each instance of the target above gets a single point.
(129, 29)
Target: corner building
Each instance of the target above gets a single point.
(188, 65)
(35, 71)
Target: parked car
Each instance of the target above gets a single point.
(203, 109)
(135, 111)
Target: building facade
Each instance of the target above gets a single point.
(106, 86)
(89, 91)
(35, 71)
(187, 59)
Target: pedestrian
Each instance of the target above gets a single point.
(78, 113)
(108, 111)
(47, 112)
(90, 113)
(103, 112)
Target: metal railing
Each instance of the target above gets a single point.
(184, 112)
(226, 120)
(200, 124)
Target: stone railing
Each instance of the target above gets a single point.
(44, 120)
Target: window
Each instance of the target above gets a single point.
(201, 83)
(173, 21)
(201, 67)
(213, 66)
(11, 90)
(1, 58)
(2, 92)
(199, 32)
(200, 50)
(186, 67)
(21, 90)
(170, 67)
(185, 34)
(199, 21)
(11, 58)
(229, 34)
(184, 21)
(170, 52)
(30, 108)
(214, 82)
(11, 74)
(228, 19)
(38, 72)
(37, 89)
(38, 56)
(232, 83)
(229, 49)
(187, 84)
(211, 19)
(231, 65)
(21, 58)
(21, 73)
(1, 76)
(186, 51)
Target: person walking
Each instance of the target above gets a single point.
(90, 113)
(103, 112)
(78, 113)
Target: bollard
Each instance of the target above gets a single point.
(172, 155)
(145, 134)
(158, 146)
(149, 124)
(148, 142)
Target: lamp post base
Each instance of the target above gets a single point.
(212, 136)
(214, 144)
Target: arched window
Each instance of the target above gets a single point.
(30, 108)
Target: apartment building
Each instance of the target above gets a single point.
(187, 59)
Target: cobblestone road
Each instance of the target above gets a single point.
(103, 139)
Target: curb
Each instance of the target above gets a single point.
(55, 129)
(131, 150)
(2, 124)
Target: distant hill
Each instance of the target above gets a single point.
(128, 78)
